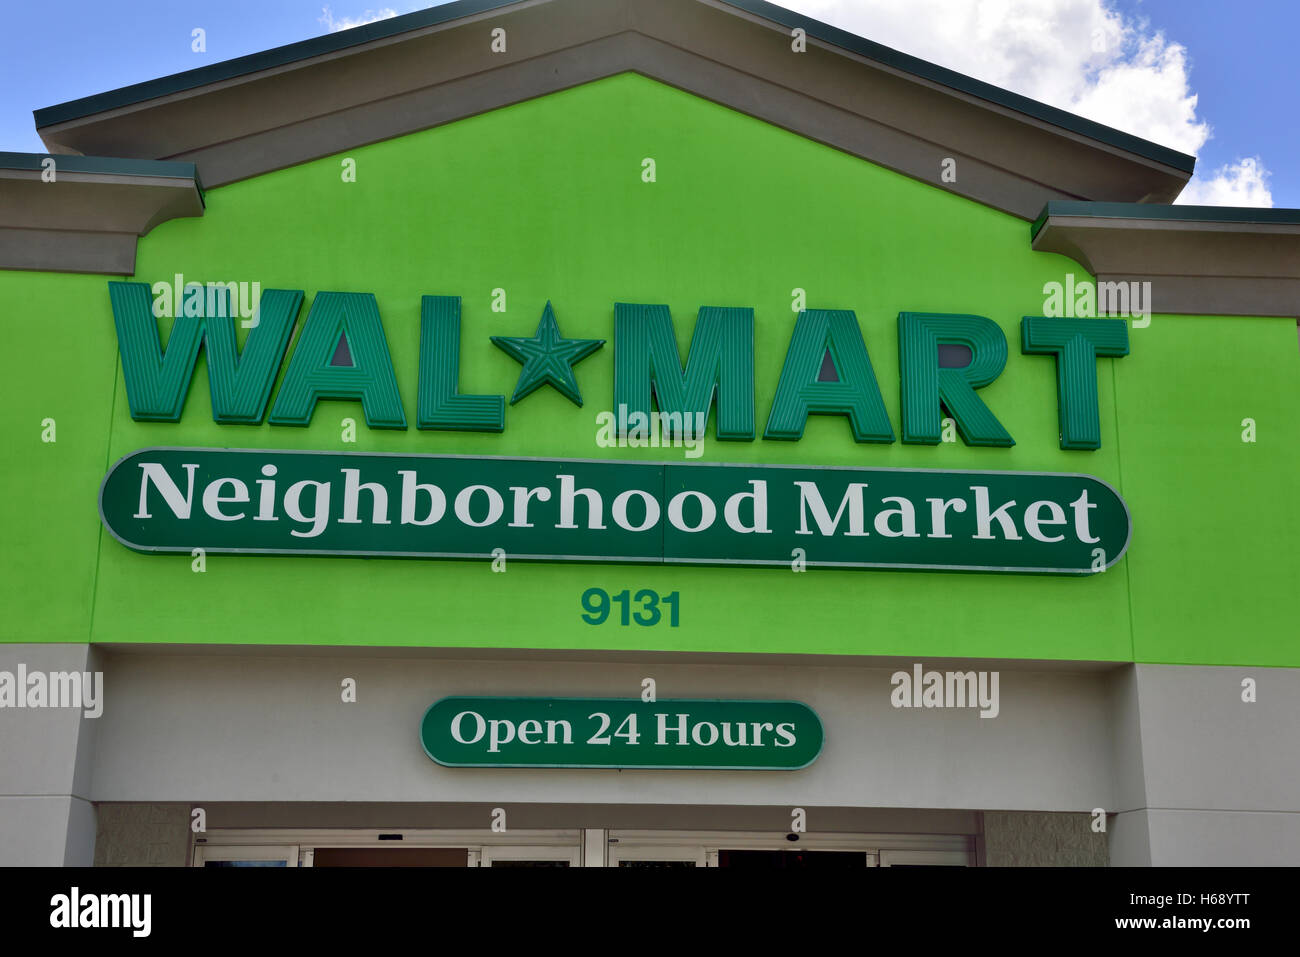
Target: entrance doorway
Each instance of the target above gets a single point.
(590, 847)
(766, 851)
(320, 847)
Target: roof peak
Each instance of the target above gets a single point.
(434, 66)
(460, 9)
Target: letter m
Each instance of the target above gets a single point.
(961, 689)
(720, 365)
(220, 298)
(810, 500)
(1112, 299)
(117, 910)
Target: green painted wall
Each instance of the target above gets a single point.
(56, 362)
(546, 200)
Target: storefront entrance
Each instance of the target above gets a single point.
(589, 847)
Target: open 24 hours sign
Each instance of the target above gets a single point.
(465, 732)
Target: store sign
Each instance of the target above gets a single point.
(534, 509)
(621, 733)
(342, 353)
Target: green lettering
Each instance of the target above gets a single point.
(799, 393)
(719, 365)
(157, 382)
(311, 377)
(439, 403)
(925, 386)
(1076, 343)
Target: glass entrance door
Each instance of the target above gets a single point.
(775, 851)
(356, 847)
(256, 855)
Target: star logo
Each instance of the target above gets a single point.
(547, 358)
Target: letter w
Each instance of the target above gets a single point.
(157, 382)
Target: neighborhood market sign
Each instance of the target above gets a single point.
(463, 507)
(462, 732)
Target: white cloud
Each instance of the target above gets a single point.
(1243, 183)
(347, 23)
(1080, 55)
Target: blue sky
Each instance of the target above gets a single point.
(1210, 77)
(1246, 75)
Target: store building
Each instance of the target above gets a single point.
(912, 552)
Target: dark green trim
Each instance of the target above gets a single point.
(109, 166)
(255, 62)
(965, 84)
(112, 165)
(1245, 215)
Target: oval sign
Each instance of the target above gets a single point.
(465, 507)
(462, 732)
